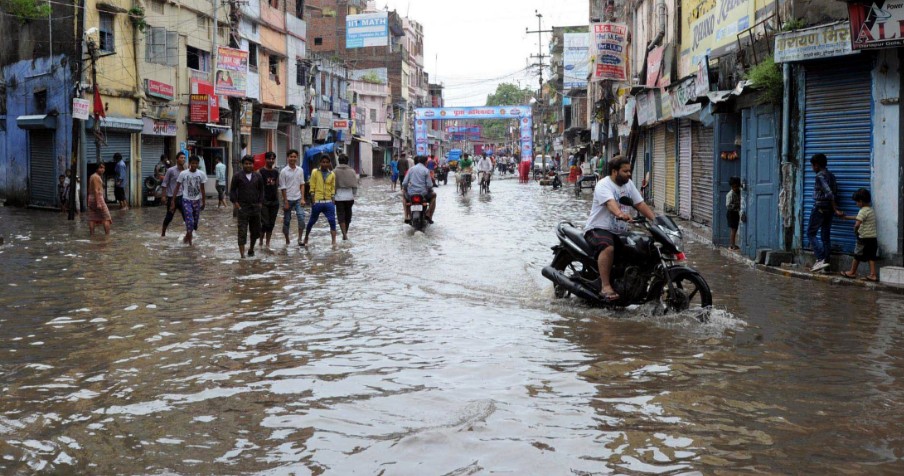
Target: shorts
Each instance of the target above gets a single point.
(600, 239)
(221, 191)
(119, 193)
(870, 250)
(734, 219)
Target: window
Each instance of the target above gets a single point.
(202, 21)
(106, 33)
(300, 73)
(157, 7)
(274, 3)
(273, 62)
(318, 41)
(41, 101)
(162, 47)
(252, 57)
(196, 59)
(299, 9)
(373, 115)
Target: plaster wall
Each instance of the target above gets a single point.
(886, 148)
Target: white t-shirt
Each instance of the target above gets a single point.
(190, 182)
(586, 169)
(291, 181)
(600, 216)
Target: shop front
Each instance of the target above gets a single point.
(117, 135)
(42, 168)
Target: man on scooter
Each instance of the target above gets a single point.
(609, 218)
(418, 182)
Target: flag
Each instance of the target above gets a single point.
(98, 104)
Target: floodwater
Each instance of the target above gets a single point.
(440, 353)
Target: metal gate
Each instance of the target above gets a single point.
(116, 142)
(659, 167)
(259, 142)
(152, 147)
(702, 174)
(42, 176)
(671, 142)
(838, 123)
(684, 169)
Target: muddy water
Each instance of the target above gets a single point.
(441, 353)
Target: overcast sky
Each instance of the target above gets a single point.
(473, 45)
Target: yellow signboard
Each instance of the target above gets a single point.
(710, 28)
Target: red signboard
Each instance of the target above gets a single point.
(160, 90)
(340, 124)
(199, 86)
(199, 108)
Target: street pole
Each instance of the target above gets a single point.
(235, 103)
(79, 133)
(540, 56)
(92, 51)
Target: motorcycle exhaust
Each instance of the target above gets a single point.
(560, 279)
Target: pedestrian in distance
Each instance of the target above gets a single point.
(270, 209)
(346, 190)
(220, 172)
(394, 173)
(867, 248)
(247, 196)
(62, 194)
(191, 184)
(733, 214)
(323, 191)
(403, 168)
(291, 185)
(121, 180)
(824, 205)
(169, 196)
(98, 213)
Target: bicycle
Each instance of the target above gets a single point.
(484, 182)
(464, 184)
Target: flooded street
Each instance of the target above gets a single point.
(402, 353)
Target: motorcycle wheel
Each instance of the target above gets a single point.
(691, 293)
(571, 269)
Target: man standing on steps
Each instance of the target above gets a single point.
(247, 196)
(824, 207)
(291, 185)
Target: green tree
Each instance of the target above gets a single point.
(26, 10)
(507, 94)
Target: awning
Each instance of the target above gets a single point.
(121, 123)
(43, 121)
(716, 97)
(361, 139)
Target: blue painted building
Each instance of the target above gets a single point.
(35, 130)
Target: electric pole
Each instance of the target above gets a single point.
(540, 57)
(235, 103)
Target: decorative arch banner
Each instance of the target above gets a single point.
(523, 113)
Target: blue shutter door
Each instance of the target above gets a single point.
(838, 123)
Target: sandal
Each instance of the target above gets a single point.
(871, 278)
(609, 297)
(848, 274)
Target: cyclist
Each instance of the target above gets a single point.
(465, 168)
(485, 170)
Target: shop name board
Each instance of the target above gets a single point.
(199, 108)
(160, 90)
(80, 108)
(269, 118)
(712, 28)
(158, 128)
(340, 124)
(877, 25)
(820, 42)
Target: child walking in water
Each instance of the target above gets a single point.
(867, 236)
(733, 205)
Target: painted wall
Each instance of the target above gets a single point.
(116, 75)
(23, 78)
(886, 148)
(296, 47)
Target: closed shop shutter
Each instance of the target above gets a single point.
(684, 169)
(671, 159)
(702, 174)
(42, 176)
(282, 146)
(638, 169)
(152, 148)
(116, 142)
(659, 168)
(259, 142)
(838, 123)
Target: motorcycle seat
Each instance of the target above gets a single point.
(577, 236)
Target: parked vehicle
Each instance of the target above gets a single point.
(649, 267)
(153, 191)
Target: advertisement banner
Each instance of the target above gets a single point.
(654, 63)
(823, 41)
(232, 72)
(711, 29)
(609, 51)
(269, 118)
(80, 108)
(367, 29)
(483, 112)
(576, 58)
(200, 86)
(199, 108)
(877, 24)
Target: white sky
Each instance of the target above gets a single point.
(473, 45)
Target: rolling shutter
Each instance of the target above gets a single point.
(702, 174)
(670, 167)
(684, 169)
(659, 167)
(838, 123)
(259, 142)
(42, 176)
(152, 148)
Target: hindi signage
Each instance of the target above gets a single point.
(341, 124)
(232, 72)
(154, 127)
(269, 118)
(646, 108)
(823, 41)
(609, 51)
(199, 108)
(80, 108)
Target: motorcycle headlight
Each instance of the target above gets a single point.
(676, 238)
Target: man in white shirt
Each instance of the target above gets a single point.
(609, 218)
(291, 186)
(485, 170)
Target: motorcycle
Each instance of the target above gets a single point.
(419, 204)
(442, 174)
(153, 190)
(649, 267)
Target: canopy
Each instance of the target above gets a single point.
(308, 163)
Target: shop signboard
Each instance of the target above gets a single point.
(824, 41)
(711, 29)
(576, 59)
(232, 72)
(200, 86)
(341, 125)
(199, 108)
(153, 127)
(679, 96)
(307, 136)
(159, 90)
(646, 108)
(876, 24)
(609, 51)
(80, 108)
(269, 118)
(367, 29)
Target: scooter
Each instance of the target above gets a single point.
(153, 190)
(649, 267)
(419, 204)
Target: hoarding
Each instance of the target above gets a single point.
(367, 29)
(877, 24)
(232, 72)
(576, 58)
(199, 108)
(269, 118)
(823, 41)
(711, 29)
(609, 51)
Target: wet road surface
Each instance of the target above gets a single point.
(402, 353)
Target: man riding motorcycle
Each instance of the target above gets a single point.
(418, 182)
(608, 218)
(485, 170)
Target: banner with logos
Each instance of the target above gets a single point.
(876, 24)
(232, 72)
(609, 50)
(423, 115)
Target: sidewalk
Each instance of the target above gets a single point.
(695, 232)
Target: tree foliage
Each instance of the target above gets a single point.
(507, 94)
(26, 10)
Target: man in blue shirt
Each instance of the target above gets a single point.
(418, 182)
(122, 178)
(824, 208)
